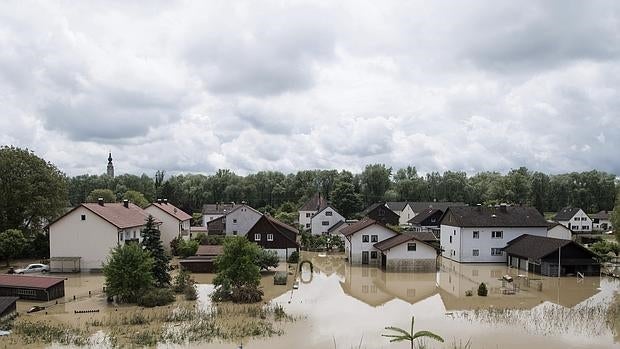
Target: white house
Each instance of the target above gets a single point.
(601, 221)
(402, 209)
(478, 234)
(214, 211)
(174, 222)
(404, 252)
(315, 204)
(360, 239)
(558, 231)
(574, 219)
(411, 209)
(237, 221)
(323, 220)
(82, 238)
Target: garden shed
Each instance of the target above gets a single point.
(40, 288)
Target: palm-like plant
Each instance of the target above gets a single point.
(402, 335)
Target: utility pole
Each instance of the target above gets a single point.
(559, 262)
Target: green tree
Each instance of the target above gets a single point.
(286, 217)
(136, 197)
(151, 242)
(236, 267)
(375, 182)
(186, 248)
(267, 259)
(12, 243)
(128, 272)
(404, 336)
(345, 200)
(32, 191)
(106, 194)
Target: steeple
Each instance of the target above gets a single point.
(110, 165)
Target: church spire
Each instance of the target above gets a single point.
(110, 166)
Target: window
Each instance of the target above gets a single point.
(134, 234)
(373, 254)
(475, 253)
(235, 221)
(583, 218)
(256, 237)
(234, 232)
(364, 238)
(364, 288)
(374, 238)
(307, 225)
(328, 213)
(120, 236)
(23, 292)
(585, 227)
(451, 239)
(476, 235)
(381, 212)
(411, 246)
(269, 237)
(83, 217)
(325, 223)
(454, 232)
(577, 219)
(497, 235)
(308, 215)
(496, 251)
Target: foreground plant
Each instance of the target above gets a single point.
(403, 336)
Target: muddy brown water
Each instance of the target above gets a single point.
(343, 306)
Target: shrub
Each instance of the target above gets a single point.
(187, 248)
(469, 293)
(280, 278)
(482, 290)
(213, 240)
(128, 273)
(266, 259)
(156, 297)
(181, 281)
(294, 257)
(190, 292)
(246, 294)
(174, 245)
(200, 237)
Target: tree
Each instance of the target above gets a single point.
(135, 197)
(345, 200)
(128, 272)
(402, 335)
(12, 243)
(106, 194)
(286, 217)
(151, 242)
(186, 248)
(32, 191)
(375, 182)
(267, 259)
(236, 268)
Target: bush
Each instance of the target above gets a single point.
(190, 292)
(156, 297)
(174, 245)
(482, 290)
(181, 281)
(469, 293)
(213, 240)
(294, 257)
(246, 294)
(187, 248)
(200, 237)
(280, 278)
(266, 259)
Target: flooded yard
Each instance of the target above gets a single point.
(341, 306)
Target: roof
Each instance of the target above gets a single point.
(537, 247)
(600, 215)
(420, 217)
(395, 241)
(419, 206)
(240, 206)
(364, 223)
(217, 208)
(426, 236)
(115, 213)
(200, 229)
(566, 213)
(172, 210)
(484, 216)
(396, 205)
(281, 227)
(28, 281)
(210, 250)
(372, 207)
(336, 226)
(316, 203)
(7, 302)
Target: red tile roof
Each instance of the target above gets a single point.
(27, 281)
(119, 215)
(355, 227)
(172, 210)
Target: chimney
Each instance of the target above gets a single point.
(100, 201)
(159, 201)
(165, 201)
(503, 208)
(479, 208)
(126, 203)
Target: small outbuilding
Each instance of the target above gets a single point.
(8, 306)
(40, 288)
(204, 260)
(405, 252)
(544, 255)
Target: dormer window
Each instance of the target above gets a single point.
(328, 213)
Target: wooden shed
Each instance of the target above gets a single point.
(204, 260)
(8, 306)
(41, 288)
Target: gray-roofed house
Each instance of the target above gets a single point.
(214, 211)
(477, 234)
(427, 220)
(414, 208)
(405, 252)
(380, 212)
(574, 219)
(174, 221)
(323, 220)
(311, 207)
(237, 221)
(543, 255)
(601, 221)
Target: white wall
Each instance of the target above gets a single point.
(580, 222)
(405, 215)
(91, 239)
(241, 220)
(463, 242)
(423, 251)
(597, 226)
(560, 232)
(209, 217)
(317, 227)
(305, 218)
(170, 227)
(356, 246)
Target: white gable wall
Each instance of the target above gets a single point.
(241, 220)
(354, 245)
(317, 227)
(305, 218)
(580, 222)
(170, 226)
(405, 215)
(560, 232)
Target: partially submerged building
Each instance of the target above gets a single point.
(40, 288)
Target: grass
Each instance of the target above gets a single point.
(32, 332)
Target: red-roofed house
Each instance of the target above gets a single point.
(82, 238)
(174, 222)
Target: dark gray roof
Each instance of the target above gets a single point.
(537, 247)
(566, 213)
(316, 203)
(372, 207)
(335, 226)
(6, 302)
(426, 236)
(420, 217)
(396, 240)
(600, 215)
(483, 216)
(419, 206)
(217, 208)
(396, 205)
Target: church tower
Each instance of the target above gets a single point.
(110, 166)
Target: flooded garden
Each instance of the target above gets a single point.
(331, 304)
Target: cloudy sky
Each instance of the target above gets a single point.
(249, 86)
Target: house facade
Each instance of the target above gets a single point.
(236, 222)
(404, 252)
(311, 207)
(174, 222)
(380, 212)
(558, 231)
(273, 235)
(399, 208)
(83, 237)
(323, 220)
(360, 239)
(478, 234)
(214, 211)
(601, 221)
(574, 219)
(426, 220)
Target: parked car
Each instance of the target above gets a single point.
(33, 268)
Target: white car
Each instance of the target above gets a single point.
(33, 268)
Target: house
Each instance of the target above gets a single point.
(214, 211)
(336, 229)
(323, 220)
(477, 234)
(381, 213)
(601, 221)
(574, 219)
(82, 238)
(237, 221)
(174, 222)
(315, 204)
(426, 220)
(360, 238)
(414, 208)
(273, 235)
(558, 231)
(8, 307)
(399, 207)
(405, 252)
(204, 259)
(543, 255)
(40, 288)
